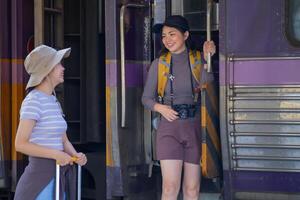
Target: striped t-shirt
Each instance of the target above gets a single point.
(50, 124)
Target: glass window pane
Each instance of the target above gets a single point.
(195, 12)
(294, 20)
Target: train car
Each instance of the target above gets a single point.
(251, 111)
(257, 105)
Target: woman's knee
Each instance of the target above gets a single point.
(170, 188)
(191, 191)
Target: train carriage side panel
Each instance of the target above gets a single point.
(259, 99)
(17, 29)
(22, 32)
(5, 95)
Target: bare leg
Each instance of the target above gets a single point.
(171, 175)
(191, 181)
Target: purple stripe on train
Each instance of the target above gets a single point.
(263, 72)
(134, 74)
(264, 181)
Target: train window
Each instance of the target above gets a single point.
(293, 21)
(195, 12)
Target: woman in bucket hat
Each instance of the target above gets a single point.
(178, 141)
(42, 129)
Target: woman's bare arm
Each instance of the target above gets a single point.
(24, 146)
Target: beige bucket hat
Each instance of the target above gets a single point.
(40, 61)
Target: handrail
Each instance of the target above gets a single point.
(259, 157)
(264, 134)
(122, 49)
(265, 169)
(257, 98)
(268, 122)
(234, 58)
(265, 146)
(277, 110)
(208, 32)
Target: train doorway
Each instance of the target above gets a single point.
(133, 171)
(197, 14)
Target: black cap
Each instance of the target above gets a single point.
(176, 21)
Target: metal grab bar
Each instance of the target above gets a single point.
(208, 32)
(265, 134)
(265, 169)
(122, 49)
(265, 146)
(272, 122)
(278, 110)
(269, 98)
(234, 58)
(57, 178)
(250, 157)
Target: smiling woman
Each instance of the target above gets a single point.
(177, 77)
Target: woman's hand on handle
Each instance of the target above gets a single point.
(166, 111)
(80, 158)
(63, 158)
(209, 47)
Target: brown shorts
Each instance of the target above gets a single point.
(179, 140)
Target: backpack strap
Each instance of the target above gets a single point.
(164, 69)
(196, 64)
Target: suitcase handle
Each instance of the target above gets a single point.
(58, 177)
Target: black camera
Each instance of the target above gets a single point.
(185, 111)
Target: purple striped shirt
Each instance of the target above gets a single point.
(50, 124)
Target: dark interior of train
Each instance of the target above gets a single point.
(83, 93)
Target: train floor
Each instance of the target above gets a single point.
(145, 188)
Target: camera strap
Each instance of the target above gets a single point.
(172, 77)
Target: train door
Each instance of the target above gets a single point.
(79, 24)
(203, 17)
(259, 92)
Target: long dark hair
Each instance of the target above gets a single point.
(188, 42)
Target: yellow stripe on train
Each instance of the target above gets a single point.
(211, 141)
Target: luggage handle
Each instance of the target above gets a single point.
(58, 177)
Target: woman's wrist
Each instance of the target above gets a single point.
(55, 154)
(157, 107)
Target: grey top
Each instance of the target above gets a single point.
(181, 84)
